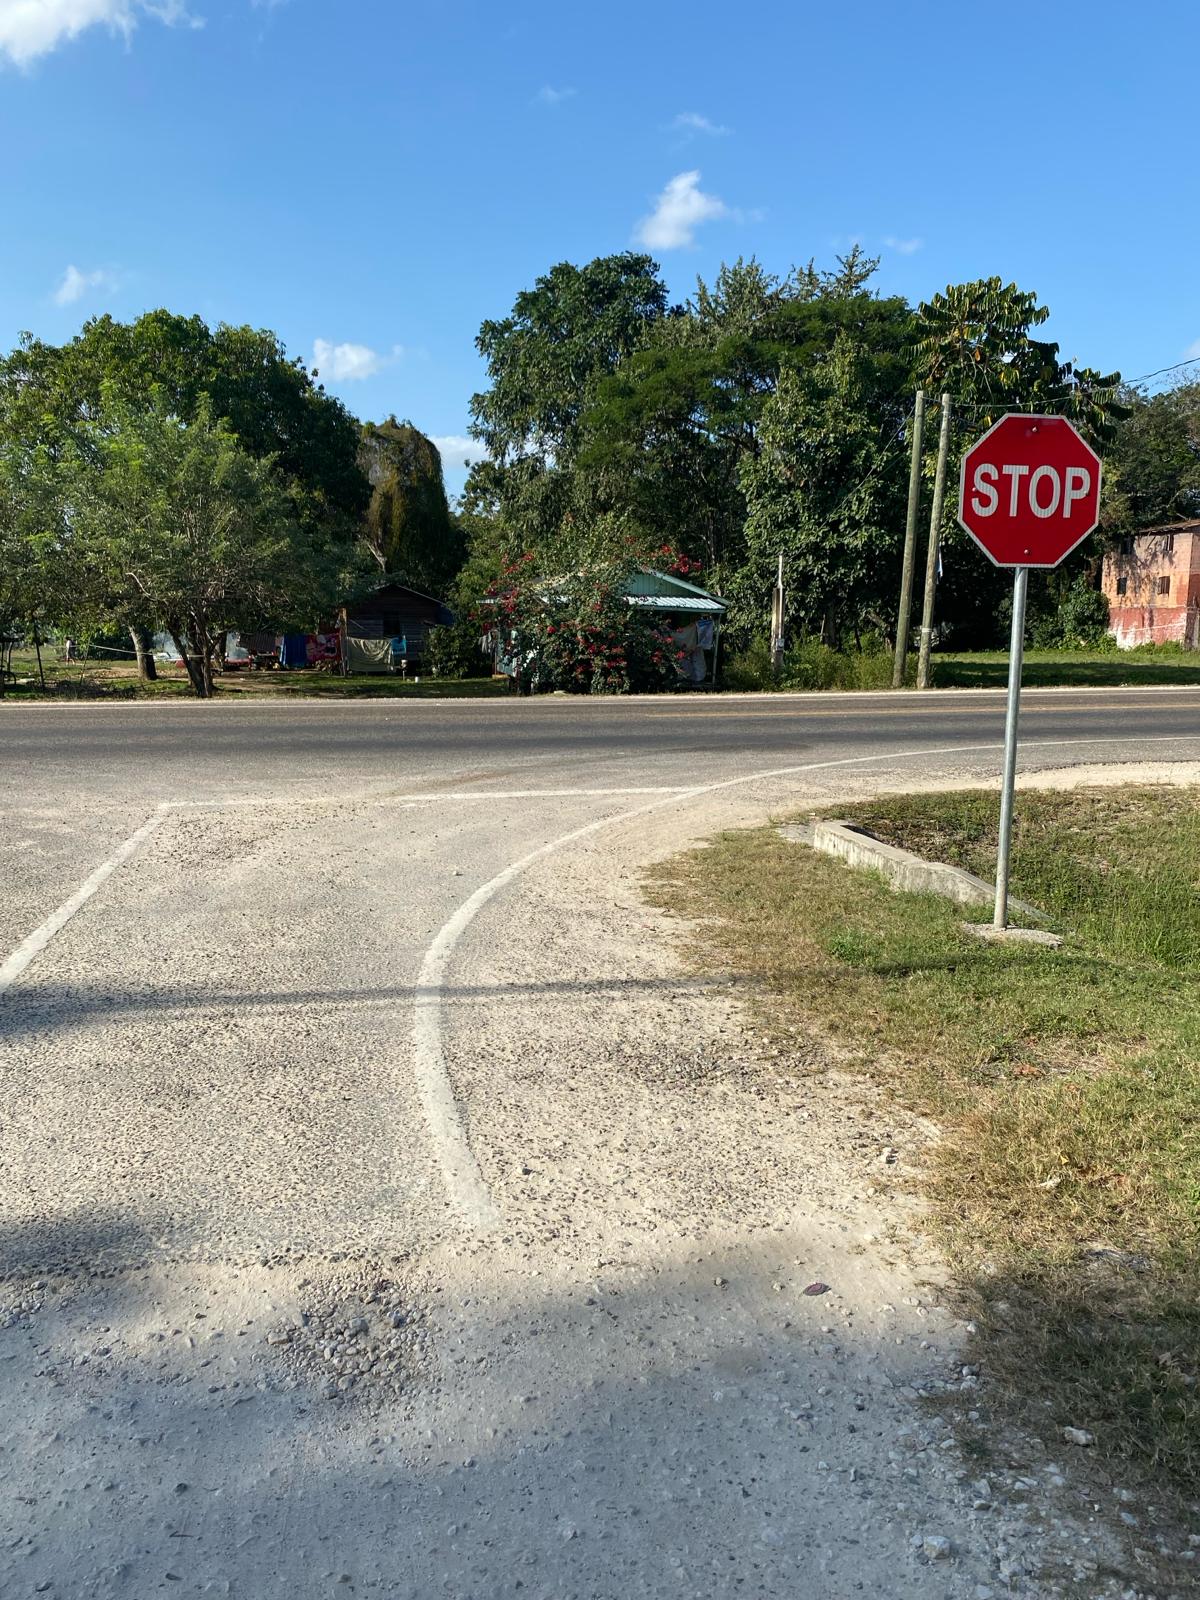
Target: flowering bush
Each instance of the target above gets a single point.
(579, 632)
(668, 559)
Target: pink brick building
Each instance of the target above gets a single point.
(1152, 584)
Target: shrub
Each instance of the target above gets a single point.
(1169, 647)
(813, 665)
(751, 668)
(1079, 623)
(452, 651)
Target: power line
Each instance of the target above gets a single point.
(1001, 402)
(1190, 362)
(884, 453)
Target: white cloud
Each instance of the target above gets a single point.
(693, 122)
(554, 97)
(75, 284)
(678, 212)
(1192, 353)
(32, 28)
(904, 247)
(348, 363)
(455, 448)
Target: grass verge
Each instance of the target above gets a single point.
(1070, 669)
(106, 681)
(1066, 1186)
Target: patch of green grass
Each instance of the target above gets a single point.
(103, 681)
(1066, 1082)
(1078, 669)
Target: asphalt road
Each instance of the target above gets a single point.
(176, 750)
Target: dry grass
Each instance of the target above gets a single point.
(1067, 1083)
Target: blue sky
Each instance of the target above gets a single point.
(372, 178)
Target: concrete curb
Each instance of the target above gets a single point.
(903, 870)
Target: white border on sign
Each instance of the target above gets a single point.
(1026, 416)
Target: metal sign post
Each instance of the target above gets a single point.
(1028, 494)
(1016, 658)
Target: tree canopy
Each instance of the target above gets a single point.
(409, 528)
(244, 376)
(765, 414)
(174, 524)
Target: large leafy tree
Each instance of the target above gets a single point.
(174, 520)
(825, 489)
(976, 341)
(409, 528)
(29, 574)
(273, 405)
(242, 375)
(670, 433)
(574, 327)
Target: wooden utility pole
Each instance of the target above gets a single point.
(931, 560)
(904, 619)
(777, 620)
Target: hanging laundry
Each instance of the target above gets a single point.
(293, 650)
(369, 655)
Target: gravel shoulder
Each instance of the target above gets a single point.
(707, 1354)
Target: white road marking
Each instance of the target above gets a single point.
(37, 941)
(465, 1185)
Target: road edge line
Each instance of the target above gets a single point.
(33, 945)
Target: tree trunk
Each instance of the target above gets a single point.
(191, 666)
(204, 642)
(143, 647)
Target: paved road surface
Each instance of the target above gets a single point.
(378, 993)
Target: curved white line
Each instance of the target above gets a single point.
(465, 1185)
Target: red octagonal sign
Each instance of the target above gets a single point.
(1029, 491)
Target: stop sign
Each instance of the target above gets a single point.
(1029, 491)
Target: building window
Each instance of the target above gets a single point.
(1122, 585)
(1164, 586)
(1127, 547)
(1170, 545)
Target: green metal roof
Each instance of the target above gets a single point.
(660, 591)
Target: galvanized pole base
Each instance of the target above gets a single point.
(1015, 661)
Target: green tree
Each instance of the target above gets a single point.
(669, 434)
(1152, 466)
(174, 520)
(977, 342)
(825, 488)
(27, 519)
(574, 326)
(242, 375)
(409, 528)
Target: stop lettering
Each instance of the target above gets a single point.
(1029, 491)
